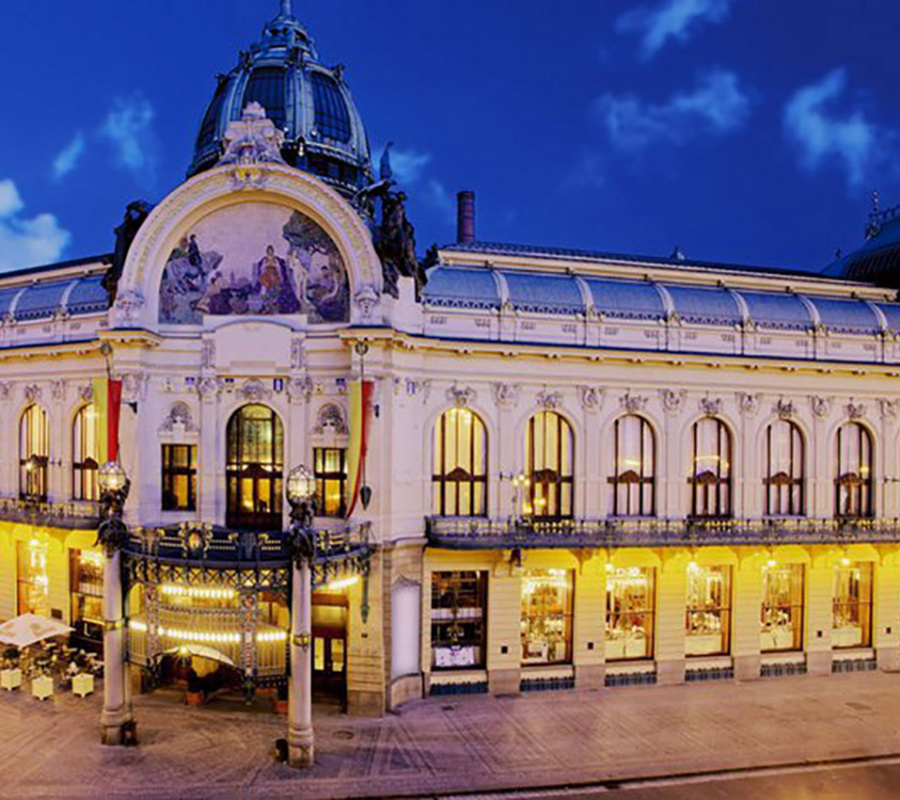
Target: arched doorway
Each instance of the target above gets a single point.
(254, 469)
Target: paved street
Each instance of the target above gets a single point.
(447, 745)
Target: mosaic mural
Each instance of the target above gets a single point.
(255, 259)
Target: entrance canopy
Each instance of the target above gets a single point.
(29, 629)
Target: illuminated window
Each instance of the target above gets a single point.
(254, 469)
(708, 618)
(547, 616)
(852, 605)
(630, 602)
(86, 594)
(781, 621)
(632, 484)
(179, 477)
(34, 453)
(853, 483)
(331, 480)
(32, 582)
(784, 470)
(458, 616)
(460, 464)
(711, 478)
(549, 445)
(85, 454)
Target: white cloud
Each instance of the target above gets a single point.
(822, 135)
(408, 165)
(671, 19)
(27, 242)
(436, 195)
(718, 105)
(129, 128)
(69, 156)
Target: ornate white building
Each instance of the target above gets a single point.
(585, 468)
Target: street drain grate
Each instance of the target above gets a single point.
(342, 734)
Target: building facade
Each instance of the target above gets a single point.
(584, 468)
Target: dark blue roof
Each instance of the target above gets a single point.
(459, 287)
(770, 310)
(41, 300)
(891, 313)
(704, 306)
(544, 293)
(6, 298)
(629, 299)
(846, 316)
(88, 296)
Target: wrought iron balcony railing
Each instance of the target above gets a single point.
(72, 515)
(484, 533)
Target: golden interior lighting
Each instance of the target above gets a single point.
(205, 592)
(342, 583)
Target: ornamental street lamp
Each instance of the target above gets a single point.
(300, 489)
(112, 535)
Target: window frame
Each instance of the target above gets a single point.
(711, 484)
(85, 467)
(33, 482)
(860, 488)
(323, 477)
(551, 483)
(445, 479)
(170, 471)
(634, 480)
(781, 487)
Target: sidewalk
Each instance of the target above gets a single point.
(451, 744)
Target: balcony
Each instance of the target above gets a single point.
(480, 533)
(77, 515)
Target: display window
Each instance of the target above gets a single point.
(86, 593)
(32, 584)
(630, 603)
(852, 605)
(708, 618)
(781, 622)
(458, 615)
(546, 625)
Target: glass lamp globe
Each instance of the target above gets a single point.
(301, 485)
(112, 477)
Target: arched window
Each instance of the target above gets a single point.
(785, 459)
(853, 482)
(634, 468)
(85, 454)
(549, 446)
(460, 464)
(711, 470)
(254, 469)
(34, 453)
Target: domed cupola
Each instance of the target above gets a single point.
(311, 103)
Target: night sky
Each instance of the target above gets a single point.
(751, 131)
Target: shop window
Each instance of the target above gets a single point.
(34, 453)
(632, 483)
(85, 454)
(630, 603)
(547, 616)
(86, 594)
(179, 477)
(853, 482)
(708, 621)
(781, 623)
(852, 604)
(784, 479)
(711, 476)
(32, 583)
(550, 452)
(254, 469)
(460, 464)
(331, 480)
(458, 615)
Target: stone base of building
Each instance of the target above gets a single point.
(888, 659)
(504, 681)
(364, 703)
(405, 689)
(670, 672)
(590, 676)
(747, 668)
(819, 662)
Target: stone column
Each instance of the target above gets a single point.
(300, 730)
(115, 702)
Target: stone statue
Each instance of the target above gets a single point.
(136, 213)
(395, 243)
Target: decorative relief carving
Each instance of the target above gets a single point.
(300, 389)
(208, 355)
(506, 395)
(784, 408)
(209, 388)
(298, 354)
(549, 401)
(366, 299)
(253, 391)
(673, 400)
(749, 403)
(86, 392)
(709, 407)
(591, 398)
(821, 406)
(133, 385)
(887, 408)
(128, 304)
(251, 141)
(632, 403)
(58, 390)
(855, 410)
(179, 419)
(33, 393)
(461, 398)
(330, 416)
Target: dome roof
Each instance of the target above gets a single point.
(311, 103)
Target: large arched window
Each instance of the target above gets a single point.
(34, 453)
(711, 470)
(85, 454)
(634, 468)
(549, 448)
(853, 482)
(785, 461)
(254, 469)
(460, 464)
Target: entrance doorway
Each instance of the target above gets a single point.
(329, 654)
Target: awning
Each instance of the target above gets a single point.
(29, 629)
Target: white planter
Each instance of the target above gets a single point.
(10, 679)
(83, 684)
(42, 688)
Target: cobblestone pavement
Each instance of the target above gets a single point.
(450, 744)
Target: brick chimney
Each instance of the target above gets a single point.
(465, 219)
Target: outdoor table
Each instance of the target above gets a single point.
(10, 679)
(83, 684)
(42, 687)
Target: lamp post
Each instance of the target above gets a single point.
(301, 495)
(112, 535)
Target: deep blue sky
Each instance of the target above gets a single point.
(742, 130)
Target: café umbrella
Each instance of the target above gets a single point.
(29, 629)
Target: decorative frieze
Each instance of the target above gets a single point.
(855, 411)
(253, 391)
(632, 403)
(749, 403)
(549, 401)
(461, 397)
(673, 400)
(710, 407)
(58, 390)
(300, 389)
(209, 387)
(506, 395)
(180, 419)
(887, 408)
(591, 398)
(32, 393)
(330, 417)
(821, 406)
(785, 409)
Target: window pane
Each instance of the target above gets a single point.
(708, 610)
(546, 625)
(630, 603)
(781, 622)
(458, 613)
